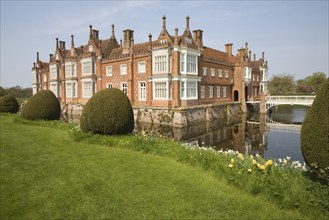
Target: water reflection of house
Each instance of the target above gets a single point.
(233, 133)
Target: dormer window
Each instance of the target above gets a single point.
(91, 48)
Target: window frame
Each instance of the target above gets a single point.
(202, 92)
(211, 94)
(109, 71)
(124, 89)
(140, 93)
(139, 69)
(123, 67)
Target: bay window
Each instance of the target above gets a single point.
(87, 66)
(188, 90)
(188, 63)
(161, 90)
(88, 88)
(160, 64)
(71, 89)
(70, 69)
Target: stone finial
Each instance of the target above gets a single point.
(187, 22)
(113, 35)
(176, 36)
(246, 45)
(56, 42)
(120, 42)
(37, 57)
(263, 55)
(72, 41)
(34, 64)
(254, 56)
(249, 55)
(163, 22)
(90, 31)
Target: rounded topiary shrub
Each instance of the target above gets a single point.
(315, 132)
(43, 105)
(8, 103)
(108, 112)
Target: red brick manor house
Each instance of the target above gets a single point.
(168, 71)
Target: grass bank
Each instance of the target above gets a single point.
(63, 173)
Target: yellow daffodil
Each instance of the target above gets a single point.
(249, 170)
(262, 167)
(269, 163)
(251, 157)
(230, 165)
(232, 160)
(254, 162)
(241, 156)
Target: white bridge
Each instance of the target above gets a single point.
(288, 100)
(271, 101)
(277, 126)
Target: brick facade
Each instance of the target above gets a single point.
(169, 71)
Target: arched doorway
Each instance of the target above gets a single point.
(236, 95)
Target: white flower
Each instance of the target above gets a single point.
(288, 158)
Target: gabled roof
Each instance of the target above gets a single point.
(217, 56)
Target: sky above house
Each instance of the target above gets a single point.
(293, 34)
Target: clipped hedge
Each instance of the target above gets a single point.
(315, 133)
(108, 112)
(8, 103)
(43, 105)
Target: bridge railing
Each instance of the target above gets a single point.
(293, 99)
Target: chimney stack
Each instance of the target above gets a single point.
(51, 57)
(198, 37)
(228, 49)
(128, 35)
(249, 55)
(62, 45)
(263, 56)
(38, 57)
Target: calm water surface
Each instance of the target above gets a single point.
(276, 135)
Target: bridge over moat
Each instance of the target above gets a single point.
(269, 101)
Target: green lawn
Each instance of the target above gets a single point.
(45, 174)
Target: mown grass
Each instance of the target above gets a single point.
(63, 173)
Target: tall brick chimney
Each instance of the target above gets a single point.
(128, 35)
(228, 49)
(150, 41)
(198, 37)
(51, 57)
(62, 45)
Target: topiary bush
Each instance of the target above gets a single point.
(8, 103)
(315, 133)
(43, 105)
(108, 112)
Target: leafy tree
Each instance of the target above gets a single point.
(311, 83)
(282, 84)
(3, 91)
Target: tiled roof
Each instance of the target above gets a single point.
(216, 55)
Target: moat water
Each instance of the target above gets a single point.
(275, 135)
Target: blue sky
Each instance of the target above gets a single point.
(293, 34)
